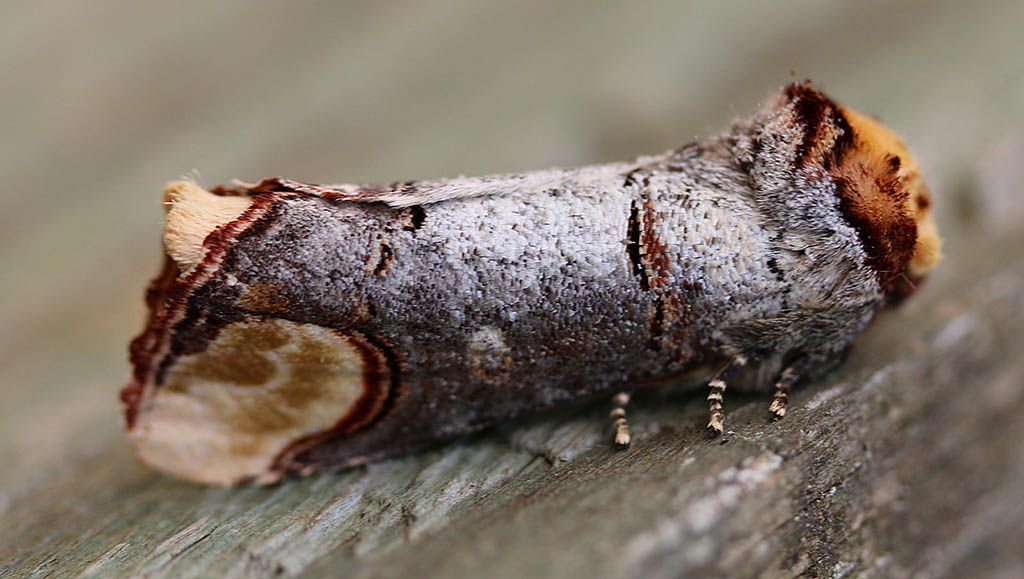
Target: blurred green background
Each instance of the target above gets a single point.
(104, 101)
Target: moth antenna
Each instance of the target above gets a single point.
(908, 279)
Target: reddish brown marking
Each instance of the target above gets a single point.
(386, 255)
(414, 219)
(168, 299)
(654, 253)
(823, 122)
(147, 341)
(655, 261)
(872, 198)
(158, 285)
(263, 297)
(199, 324)
(651, 262)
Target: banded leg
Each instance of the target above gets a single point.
(618, 416)
(786, 380)
(717, 388)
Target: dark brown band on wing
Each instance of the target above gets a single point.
(382, 380)
(651, 263)
(656, 262)
(142, 348)
(633, 249)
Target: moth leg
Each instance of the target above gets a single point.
(717, 388)
(619, 423)
(786, 380)
(789, 377)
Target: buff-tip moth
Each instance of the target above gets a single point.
(298, 328)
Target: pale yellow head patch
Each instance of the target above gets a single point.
(192, 214)
(226, 413)
(879, 142)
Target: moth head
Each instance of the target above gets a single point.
(877, 183)
(877, 146)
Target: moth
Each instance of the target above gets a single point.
(298, 328)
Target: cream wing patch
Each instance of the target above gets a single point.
(225, 413)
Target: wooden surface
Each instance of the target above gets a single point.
(905, 462)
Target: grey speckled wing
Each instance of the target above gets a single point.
(298, 328)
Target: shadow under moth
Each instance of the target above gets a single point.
(299, 328)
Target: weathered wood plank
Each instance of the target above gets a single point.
(906, 461)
